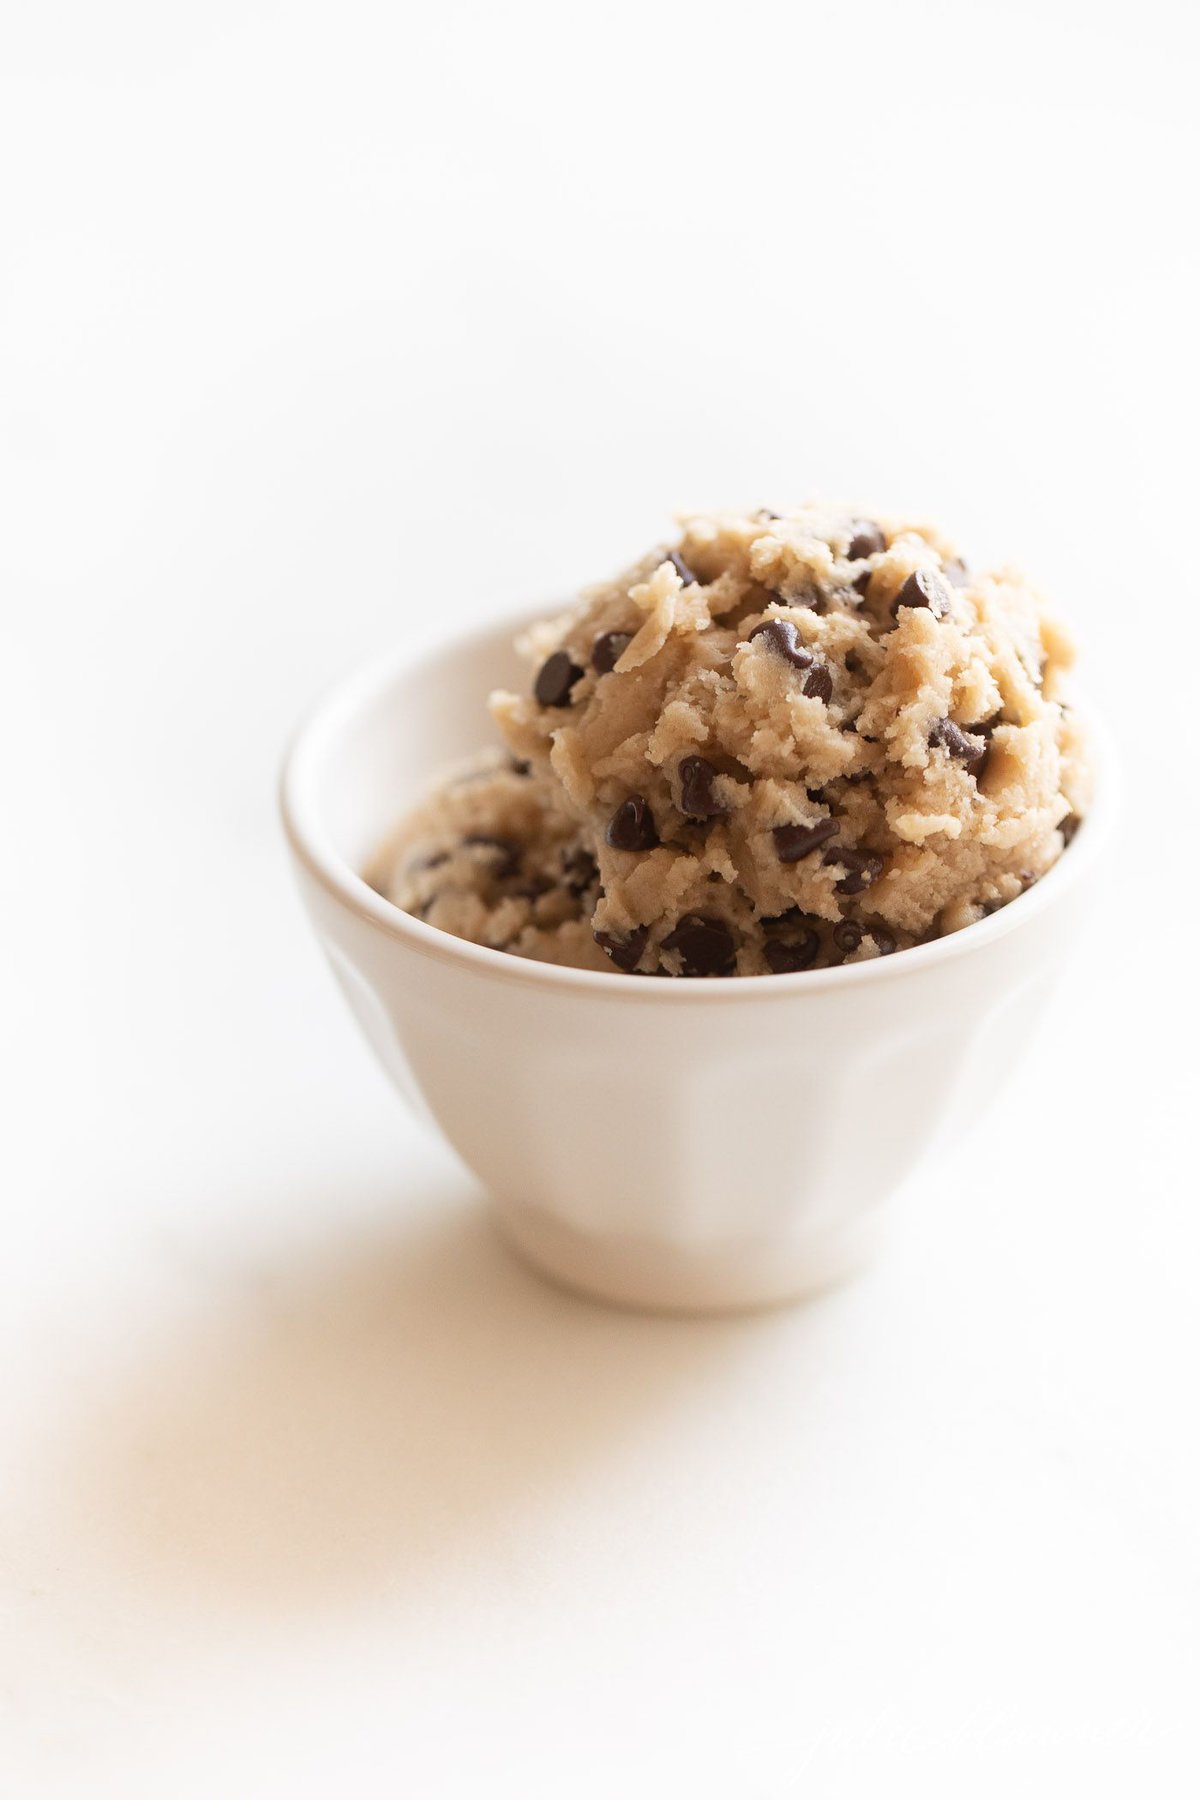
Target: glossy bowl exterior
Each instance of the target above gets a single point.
(683, 1145)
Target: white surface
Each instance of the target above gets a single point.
(315, 326)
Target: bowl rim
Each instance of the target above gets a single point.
(345, 699)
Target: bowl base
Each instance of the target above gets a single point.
(640, 1275)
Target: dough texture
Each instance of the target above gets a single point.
(789, 742)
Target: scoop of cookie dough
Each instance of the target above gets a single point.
(493, 856)
(791, 741)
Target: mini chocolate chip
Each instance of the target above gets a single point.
(794, 951)
(556, 677)
(924, 587)
(819, 685)
(783, 638)
(579, 870)
(785, 921)
(696, 797)
(1069, 826)
(510, 853)
(534, 888)
(862, 868)
(705, 944)
(518, 766)
(624, 952)
(956, 572)
(885, 940)
(853, 663)
(608, 649)
(632, 826)
(794, 841)
(686, 575)
(868, 540)
(862, 583)
(765, 513)
(950, 737)
(847, 936)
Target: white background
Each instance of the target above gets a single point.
(321, 328)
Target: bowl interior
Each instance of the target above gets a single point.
(373, 750)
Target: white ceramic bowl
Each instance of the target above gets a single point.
(684, 1145)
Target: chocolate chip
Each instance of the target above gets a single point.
(885, 940)
(624, 952)
(608, 649)
(787, 956)
(518, 766)
(794, 841)
(973, 751)
(509, 853)
(862, 868)
(632, 826)
(847, 936)
(868, 540)
(783, 638)
(556, 677)
(686, 575)
(534, 888)
(696, 797)
(765, 513)
(956, 572)
(924, 587)
(705, 945)
(579, 871)
(792, 943)
(787, 921)
(819, 685)
(1069, 826)
(853, 663)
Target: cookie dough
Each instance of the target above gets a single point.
(788, 742)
